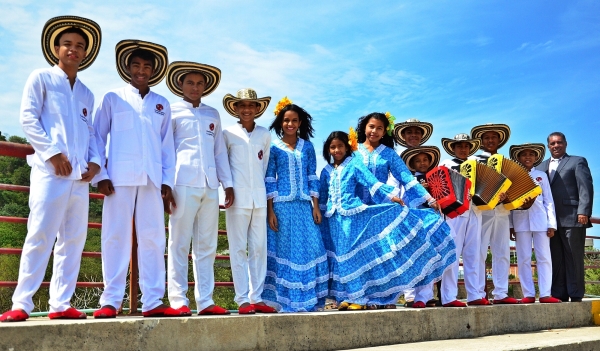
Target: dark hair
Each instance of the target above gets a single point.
(564, 138)
(75, 30)
(181, 78)
(343, 137)
(144, 55)
(412, 159)
(306, 130)
(387, 139)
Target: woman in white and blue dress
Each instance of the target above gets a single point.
(376, 251)
(297, 270)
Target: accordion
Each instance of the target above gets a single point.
(486, 184)
(450, 189)
(522, 188)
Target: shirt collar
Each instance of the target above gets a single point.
(60, 72)
(133, 89)
(190, 105)
(557, 159)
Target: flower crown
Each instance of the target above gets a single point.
(391, 119)
(353, 139)
(281, 104)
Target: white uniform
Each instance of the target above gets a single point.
(201, 164)
(466, 231)
(141, 158)
(56, 119)
(532, 225)
(247, 218)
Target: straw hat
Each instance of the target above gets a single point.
(426, 127)
(460, 138)
(502, 129)
(432, 151)
(56, 25)
(538, 148)
(124, 49)
(246, 94)
(178, 68)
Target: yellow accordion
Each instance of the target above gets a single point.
(522, 188)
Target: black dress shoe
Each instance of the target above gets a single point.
(576, 299)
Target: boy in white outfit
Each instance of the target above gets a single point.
(534, 221)
(201, 164)
(248, 148)
(56, 112)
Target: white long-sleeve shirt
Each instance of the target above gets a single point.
(248, 159)
(141, 139)
(541, 215)
(201, 153)
(57, 119)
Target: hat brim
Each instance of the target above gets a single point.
(124, 49)
(503, 131)
(538, 148)
(56, 25)
(426, 127)
(447, 145)
(432, 151)
(229, 102)
(178, 68)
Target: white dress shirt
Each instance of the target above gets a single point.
(200, 147)
(141, 139)
(57, 119)
(248, 159)
(553, 165)
(540, 216)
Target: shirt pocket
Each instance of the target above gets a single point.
(122, 121)
(209, 127)
(56, 102)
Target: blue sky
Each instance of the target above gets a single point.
(534, 65)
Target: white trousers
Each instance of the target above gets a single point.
(541, 245)
(247, 230)
(144, 205)
(409, 295)
(495, 232)
(195, 221)
(467, 238)
(59, 212)
(423, 293)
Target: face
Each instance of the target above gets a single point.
(193, 86)
(290, 124)
(461, 150)
(141, 70)
(490, 141)
(527, 158)
(421, 163)
(374, 130)
(246, 110)
(337, 149)
(71, 49)
(412, 136)
(557, 146)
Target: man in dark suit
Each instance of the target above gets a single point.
(573, 194)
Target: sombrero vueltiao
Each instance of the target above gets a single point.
(460, 138)
(124, 48)
(432, 151)
(178, 68)
(538, 148)
(246, 94)
(502, 129)
(56, 25)
(426, 127)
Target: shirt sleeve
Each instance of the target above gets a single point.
(271, 176)
(93, 154)
(324, 189)
(380, 192)
(313, 180)
(167, 149)
(221, 158)
(102, 122)
(585, 186)
(414, 192)
(267, 152)
(548, 201)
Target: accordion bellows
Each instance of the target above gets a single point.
(450, 189)
(486, 184)
(522, 188)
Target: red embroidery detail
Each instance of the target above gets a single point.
(84, 112)
(159, 107)
(539, 179)
(212, 127)
(260, 155)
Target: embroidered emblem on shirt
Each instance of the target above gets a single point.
(84, 112)
(83, 115)
(212, 127)
(159, 109)
(538, 179)
(210, 131)
(260, 155)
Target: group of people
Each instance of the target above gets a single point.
(363, 233)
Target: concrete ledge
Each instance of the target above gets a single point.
(303, 331)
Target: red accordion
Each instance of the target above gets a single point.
(450, 189)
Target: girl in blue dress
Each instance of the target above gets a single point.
(297, 270)
(376, 251)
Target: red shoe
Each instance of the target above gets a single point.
(69, 313)
(263, 308)
(506, 301)
(214, 310)
(182, 311)
(528, 300)
(418, 304)
(246, 309)
(14, 316)
(106, 312)
(480, 302)
(158, 311)
(455, 303)
(549, 299)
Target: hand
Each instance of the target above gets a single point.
(528, 203)
(168, 199)
(501, 197)
(583, 219)
(435, 206)
(106, 187)
(398, 200)
(272, 218)
(317, 215)
(92, 170)
(229, 197)
(513, 237)
(62, 166)
(425, 185)
(550, 232)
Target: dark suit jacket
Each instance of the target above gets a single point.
(572, 189)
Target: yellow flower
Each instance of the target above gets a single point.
(281, 104)
(391, 119)
(353, 139)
